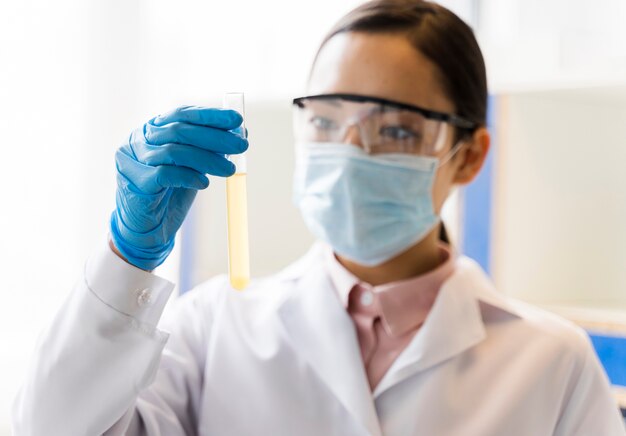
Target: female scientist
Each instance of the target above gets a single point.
(381, 329)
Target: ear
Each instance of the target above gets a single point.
(472, 156)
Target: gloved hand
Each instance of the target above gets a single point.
(159, 172)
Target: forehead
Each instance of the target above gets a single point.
(380, 65)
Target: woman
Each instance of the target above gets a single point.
(379, 329)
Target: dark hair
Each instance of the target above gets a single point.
(439, 35)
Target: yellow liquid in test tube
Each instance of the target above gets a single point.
(236, 203)
(238, 251)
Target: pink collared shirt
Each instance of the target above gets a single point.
(388, 316)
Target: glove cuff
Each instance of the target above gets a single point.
(144, 258)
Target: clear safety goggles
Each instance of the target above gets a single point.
(382, 126)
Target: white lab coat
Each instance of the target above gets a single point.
(282, 358)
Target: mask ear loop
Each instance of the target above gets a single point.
(455, 148)
(444, 160)
(442, 138)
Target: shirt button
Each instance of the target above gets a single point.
(144, 297)
(367, 298)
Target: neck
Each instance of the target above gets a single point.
(417, 260)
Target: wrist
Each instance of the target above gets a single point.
(118, 253)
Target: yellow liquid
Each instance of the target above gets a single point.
(238, 251)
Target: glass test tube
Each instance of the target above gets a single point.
(236, 203)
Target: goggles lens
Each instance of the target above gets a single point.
(376, 127)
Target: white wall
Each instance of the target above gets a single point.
(532, 44)
(560, 203)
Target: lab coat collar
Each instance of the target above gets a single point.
(454, 324)
(321, 330)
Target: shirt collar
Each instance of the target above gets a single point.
(404, 304)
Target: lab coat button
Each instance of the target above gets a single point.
(367, 298)
(144, 297)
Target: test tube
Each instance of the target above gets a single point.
(237, 209)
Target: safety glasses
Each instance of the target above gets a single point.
(382, 126)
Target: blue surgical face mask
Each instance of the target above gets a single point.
(368, 208)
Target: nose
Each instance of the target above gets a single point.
(353, 136)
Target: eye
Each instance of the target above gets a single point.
(398, 133)
(322, 123)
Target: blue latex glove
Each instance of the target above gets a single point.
(159, 172)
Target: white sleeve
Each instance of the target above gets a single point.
(590, 409)
(94, 368)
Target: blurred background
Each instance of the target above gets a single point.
(546, 218)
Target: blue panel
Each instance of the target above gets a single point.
(477, 204)
(612, 353)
